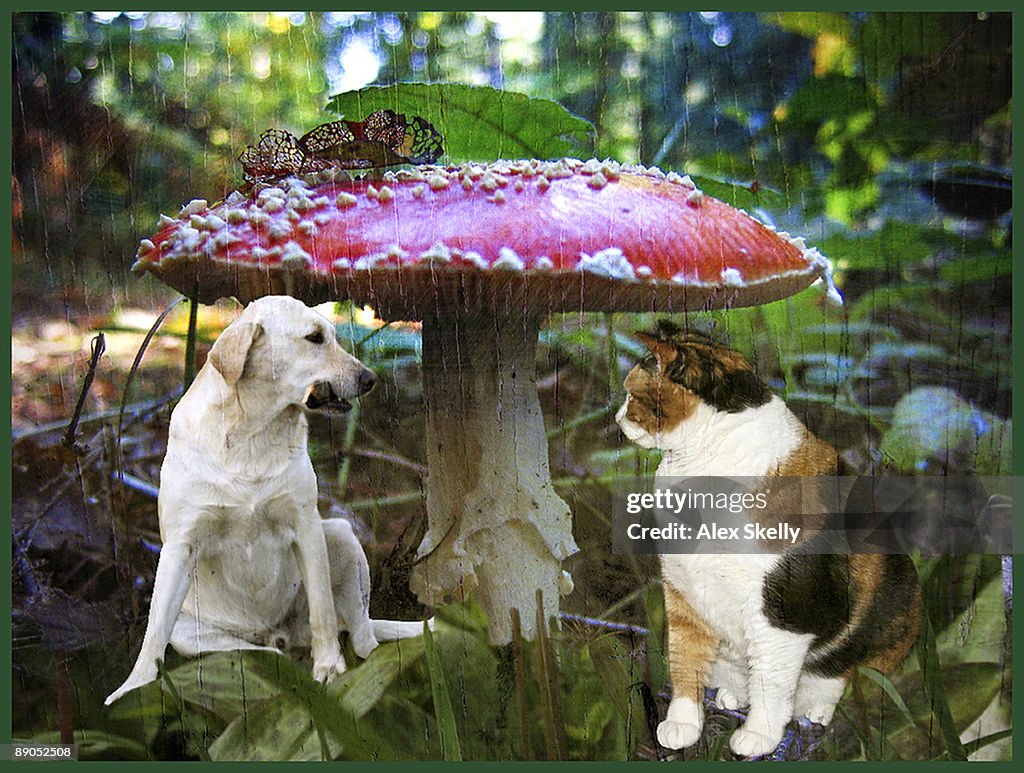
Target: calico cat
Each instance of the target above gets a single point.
(779, 632)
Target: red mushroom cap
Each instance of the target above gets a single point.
(560, 236)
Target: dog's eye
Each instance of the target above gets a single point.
(315, 338)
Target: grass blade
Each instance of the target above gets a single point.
(451, 750)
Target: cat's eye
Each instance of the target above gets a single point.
(316, 337)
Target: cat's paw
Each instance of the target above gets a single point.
(751, 742)
(729, 700)
(683, 724)
(816, 698)
(821, 714)
(676, 735)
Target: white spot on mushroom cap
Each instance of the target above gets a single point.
(438, 253)
(543, 263)
(270, 192)
(437, 182)
(508, 260)
(193, 207)
(475, 258)
(236, 216)
(280, 230)
(258, 217)
(732, 277)
(611, 263)
(145, 247)
(272, 205)
(344, 200)
(342, 264)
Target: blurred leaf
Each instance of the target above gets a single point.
(893, 245)
(812, 23)
(936, 424)
(978, 268)
(830, 98)
(479, 123)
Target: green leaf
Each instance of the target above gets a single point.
(935, 681)
(619, 673)
(272, 730)
(359, 689)
(890, 689)
(99, 745)
(978, 633)
(450, 748)
(221, 683)
(742, 195)
(479, 123)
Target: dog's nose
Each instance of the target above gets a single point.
(366, 381)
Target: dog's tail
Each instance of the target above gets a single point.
(390, 630)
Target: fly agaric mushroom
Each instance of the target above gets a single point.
(481, 254)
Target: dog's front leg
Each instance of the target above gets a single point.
(311, 553)
(173, 576)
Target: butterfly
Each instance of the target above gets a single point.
(384, 138)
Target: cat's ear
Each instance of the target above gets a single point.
(667, 329)
(664, 352)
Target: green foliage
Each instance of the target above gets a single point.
(479, 123)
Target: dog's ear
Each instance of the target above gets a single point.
(230, 351)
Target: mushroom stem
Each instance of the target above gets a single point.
(495, 522)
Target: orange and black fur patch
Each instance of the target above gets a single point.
(682, 368)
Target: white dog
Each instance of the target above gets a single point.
(238, 504)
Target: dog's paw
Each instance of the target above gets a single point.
(135, 680)
(326, 670)
(729, 700)
(364, 641)
(752, 742)
(676, 735)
